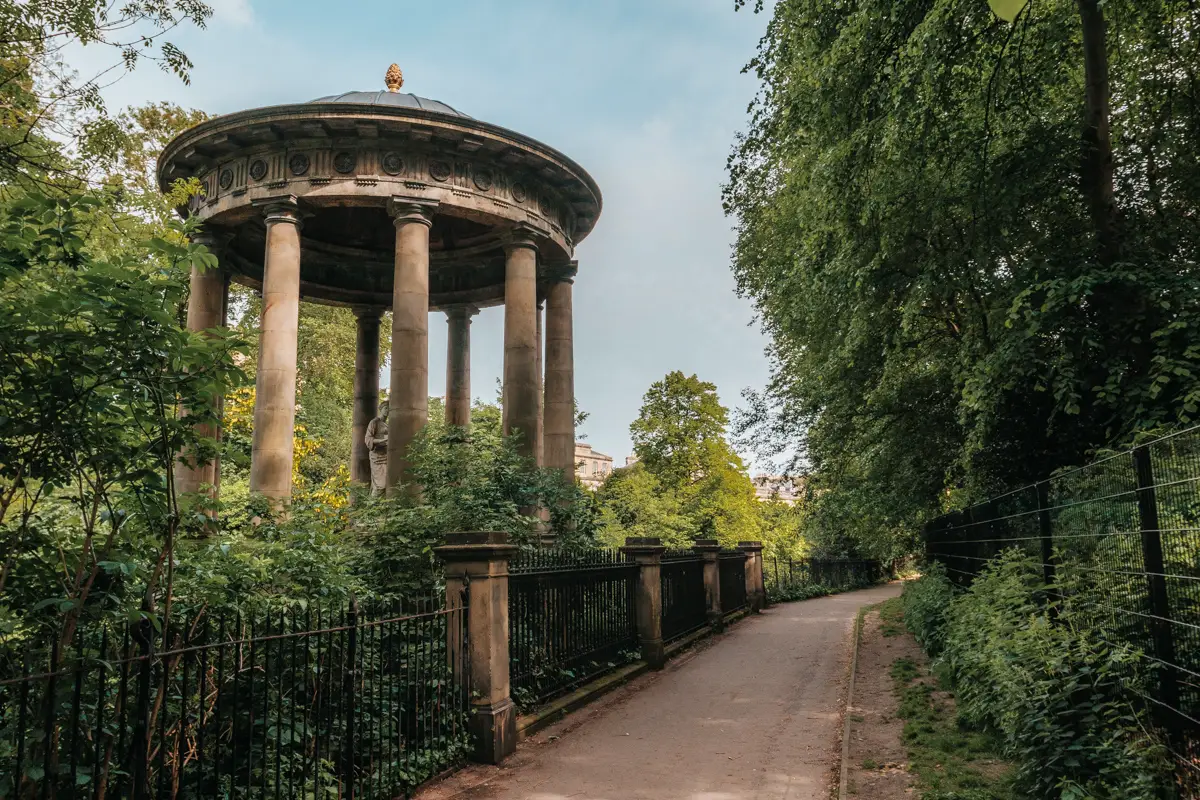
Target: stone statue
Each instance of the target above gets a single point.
(377, 444)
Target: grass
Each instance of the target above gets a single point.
(891, 617)
(949, 761)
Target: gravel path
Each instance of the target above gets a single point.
(752, 714)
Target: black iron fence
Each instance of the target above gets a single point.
(732, 564)
(787, 575)
(339, 702)
(684, 602)
(571, 618)
(1119, 541)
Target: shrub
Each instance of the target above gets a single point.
(1056, 694)
(926, 601)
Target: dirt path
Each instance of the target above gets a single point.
(752, 715)
(878, 758)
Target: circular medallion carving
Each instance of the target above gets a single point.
(546, 205)
(226, 178)
(392, 163)
(344, 162)
(440, 170)
(258, 170)
(519, 192)
(298, 163)
(483, 179)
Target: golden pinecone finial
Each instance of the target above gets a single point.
(394, 78)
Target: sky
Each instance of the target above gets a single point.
(647, 95)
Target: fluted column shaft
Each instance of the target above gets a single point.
(366, 391)
(559, 433)
(408, 395)
(208, 301)
(458, 365)
(520, 343)
(275, 385)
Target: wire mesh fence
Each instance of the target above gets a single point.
(1118, 541)
(339, 702)
(684, 602)
(571, 619)
(732, 566)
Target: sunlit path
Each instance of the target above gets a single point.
(754, 714)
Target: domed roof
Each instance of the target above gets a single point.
(389, 98)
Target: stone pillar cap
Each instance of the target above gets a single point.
(706, 545)
(472, 545)
(647, 545)
(752, 547)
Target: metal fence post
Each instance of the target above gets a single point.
(1152, 555)
(140, 754)
(351, 677)
(1046, 533)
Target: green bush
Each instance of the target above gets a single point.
(925, 604)
(1058, 697)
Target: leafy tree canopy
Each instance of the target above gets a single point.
(972, 270)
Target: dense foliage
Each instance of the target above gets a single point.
(972, 243)
(688, 482)
(1058, 694)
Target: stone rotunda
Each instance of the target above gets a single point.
(386, 200)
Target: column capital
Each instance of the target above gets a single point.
(750, 547)
(709, 548)
(561, 273)
(280, 208)
(522, 235)
(216, 240)
(368, 312)
(460, 311)
(411, 209)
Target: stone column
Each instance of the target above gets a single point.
(478, 564)
(520, 340)
(458, 365)
(408, 395)
(755, 591)
(647, 552)
(710, 551)
(208, 301)
(366, 391)
(558, 435)
(539, 431)
(275, 385)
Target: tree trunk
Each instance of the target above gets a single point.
(1096, 168)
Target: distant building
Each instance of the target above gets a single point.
(631, 460)
(786, 489)
(591, 466)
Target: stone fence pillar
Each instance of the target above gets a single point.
(756, 592)
(710, 551)
(479, 563)
(647, 552)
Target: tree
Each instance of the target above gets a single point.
(688, 482)
(93, 365)
(48, 113)
(971, 271)
(680, 425)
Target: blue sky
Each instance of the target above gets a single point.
(647, 95)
